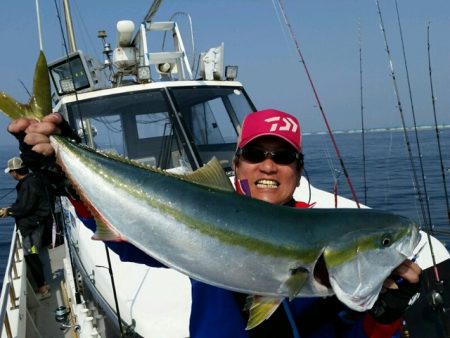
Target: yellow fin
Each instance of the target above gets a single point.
(260, 308)
(12, 108)
(40, 103)
(105, 233)
(295, 282)
(210, 175)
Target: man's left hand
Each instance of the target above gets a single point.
(397, 294)
(3, 212)
(407, 271)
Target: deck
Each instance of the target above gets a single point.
(43, 312)
(24, 315)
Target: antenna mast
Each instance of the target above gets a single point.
(38, 15)
(69, 26)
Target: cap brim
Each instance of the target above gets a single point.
(7, 170)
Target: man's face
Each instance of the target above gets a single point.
(269, 181)
(14, 174)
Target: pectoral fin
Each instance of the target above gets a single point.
(260, 308)
(295, 282)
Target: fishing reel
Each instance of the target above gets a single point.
(436, 300)
(62, 316)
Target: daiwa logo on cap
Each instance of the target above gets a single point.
(270, 122)
(289, 124)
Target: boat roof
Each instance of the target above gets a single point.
(142, 87)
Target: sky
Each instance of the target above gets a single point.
(329, 33)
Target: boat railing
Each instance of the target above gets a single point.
(10, 311)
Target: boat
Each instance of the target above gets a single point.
(154, 109)
(150, 106)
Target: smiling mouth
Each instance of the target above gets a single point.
(269, 184)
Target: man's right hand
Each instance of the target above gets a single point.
(38, 133)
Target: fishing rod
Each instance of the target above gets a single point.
(363, 131)
(400, 109)
(9, 192)
(436, 289)
(433, 100)
(418, 191)
(419, 152)
(71, 39)
(25, 87)
(319, 104)
(427, 220)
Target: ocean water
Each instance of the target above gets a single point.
(389, 176)
(390, 180)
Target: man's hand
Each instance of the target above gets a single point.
(398, 293)
(407, 271)
(4, 212)
(38, 133)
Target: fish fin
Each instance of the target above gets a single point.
(105, 233)
(295, 282)
(260, 308)
(40, 103)
(210, 175)
(12, 108)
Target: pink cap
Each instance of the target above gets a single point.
(271, 122)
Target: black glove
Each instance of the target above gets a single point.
(52, 175)
(392, 304)
(36, 161)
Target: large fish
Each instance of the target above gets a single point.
(199, 226)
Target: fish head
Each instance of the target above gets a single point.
(360, 261)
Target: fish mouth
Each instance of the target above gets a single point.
(320, 272)
(267, 184)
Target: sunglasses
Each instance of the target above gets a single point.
(255, 155)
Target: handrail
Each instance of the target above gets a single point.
(8, 294)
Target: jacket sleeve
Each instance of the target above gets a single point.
(26, 200)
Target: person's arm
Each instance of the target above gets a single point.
(25, 202)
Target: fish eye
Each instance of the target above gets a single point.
(386, 240)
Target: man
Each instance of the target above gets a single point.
(268, 165)
(32, 212)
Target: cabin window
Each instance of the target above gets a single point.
(211, 115)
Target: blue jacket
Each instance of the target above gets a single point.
(216, 313)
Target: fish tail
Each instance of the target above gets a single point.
(40, 103)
